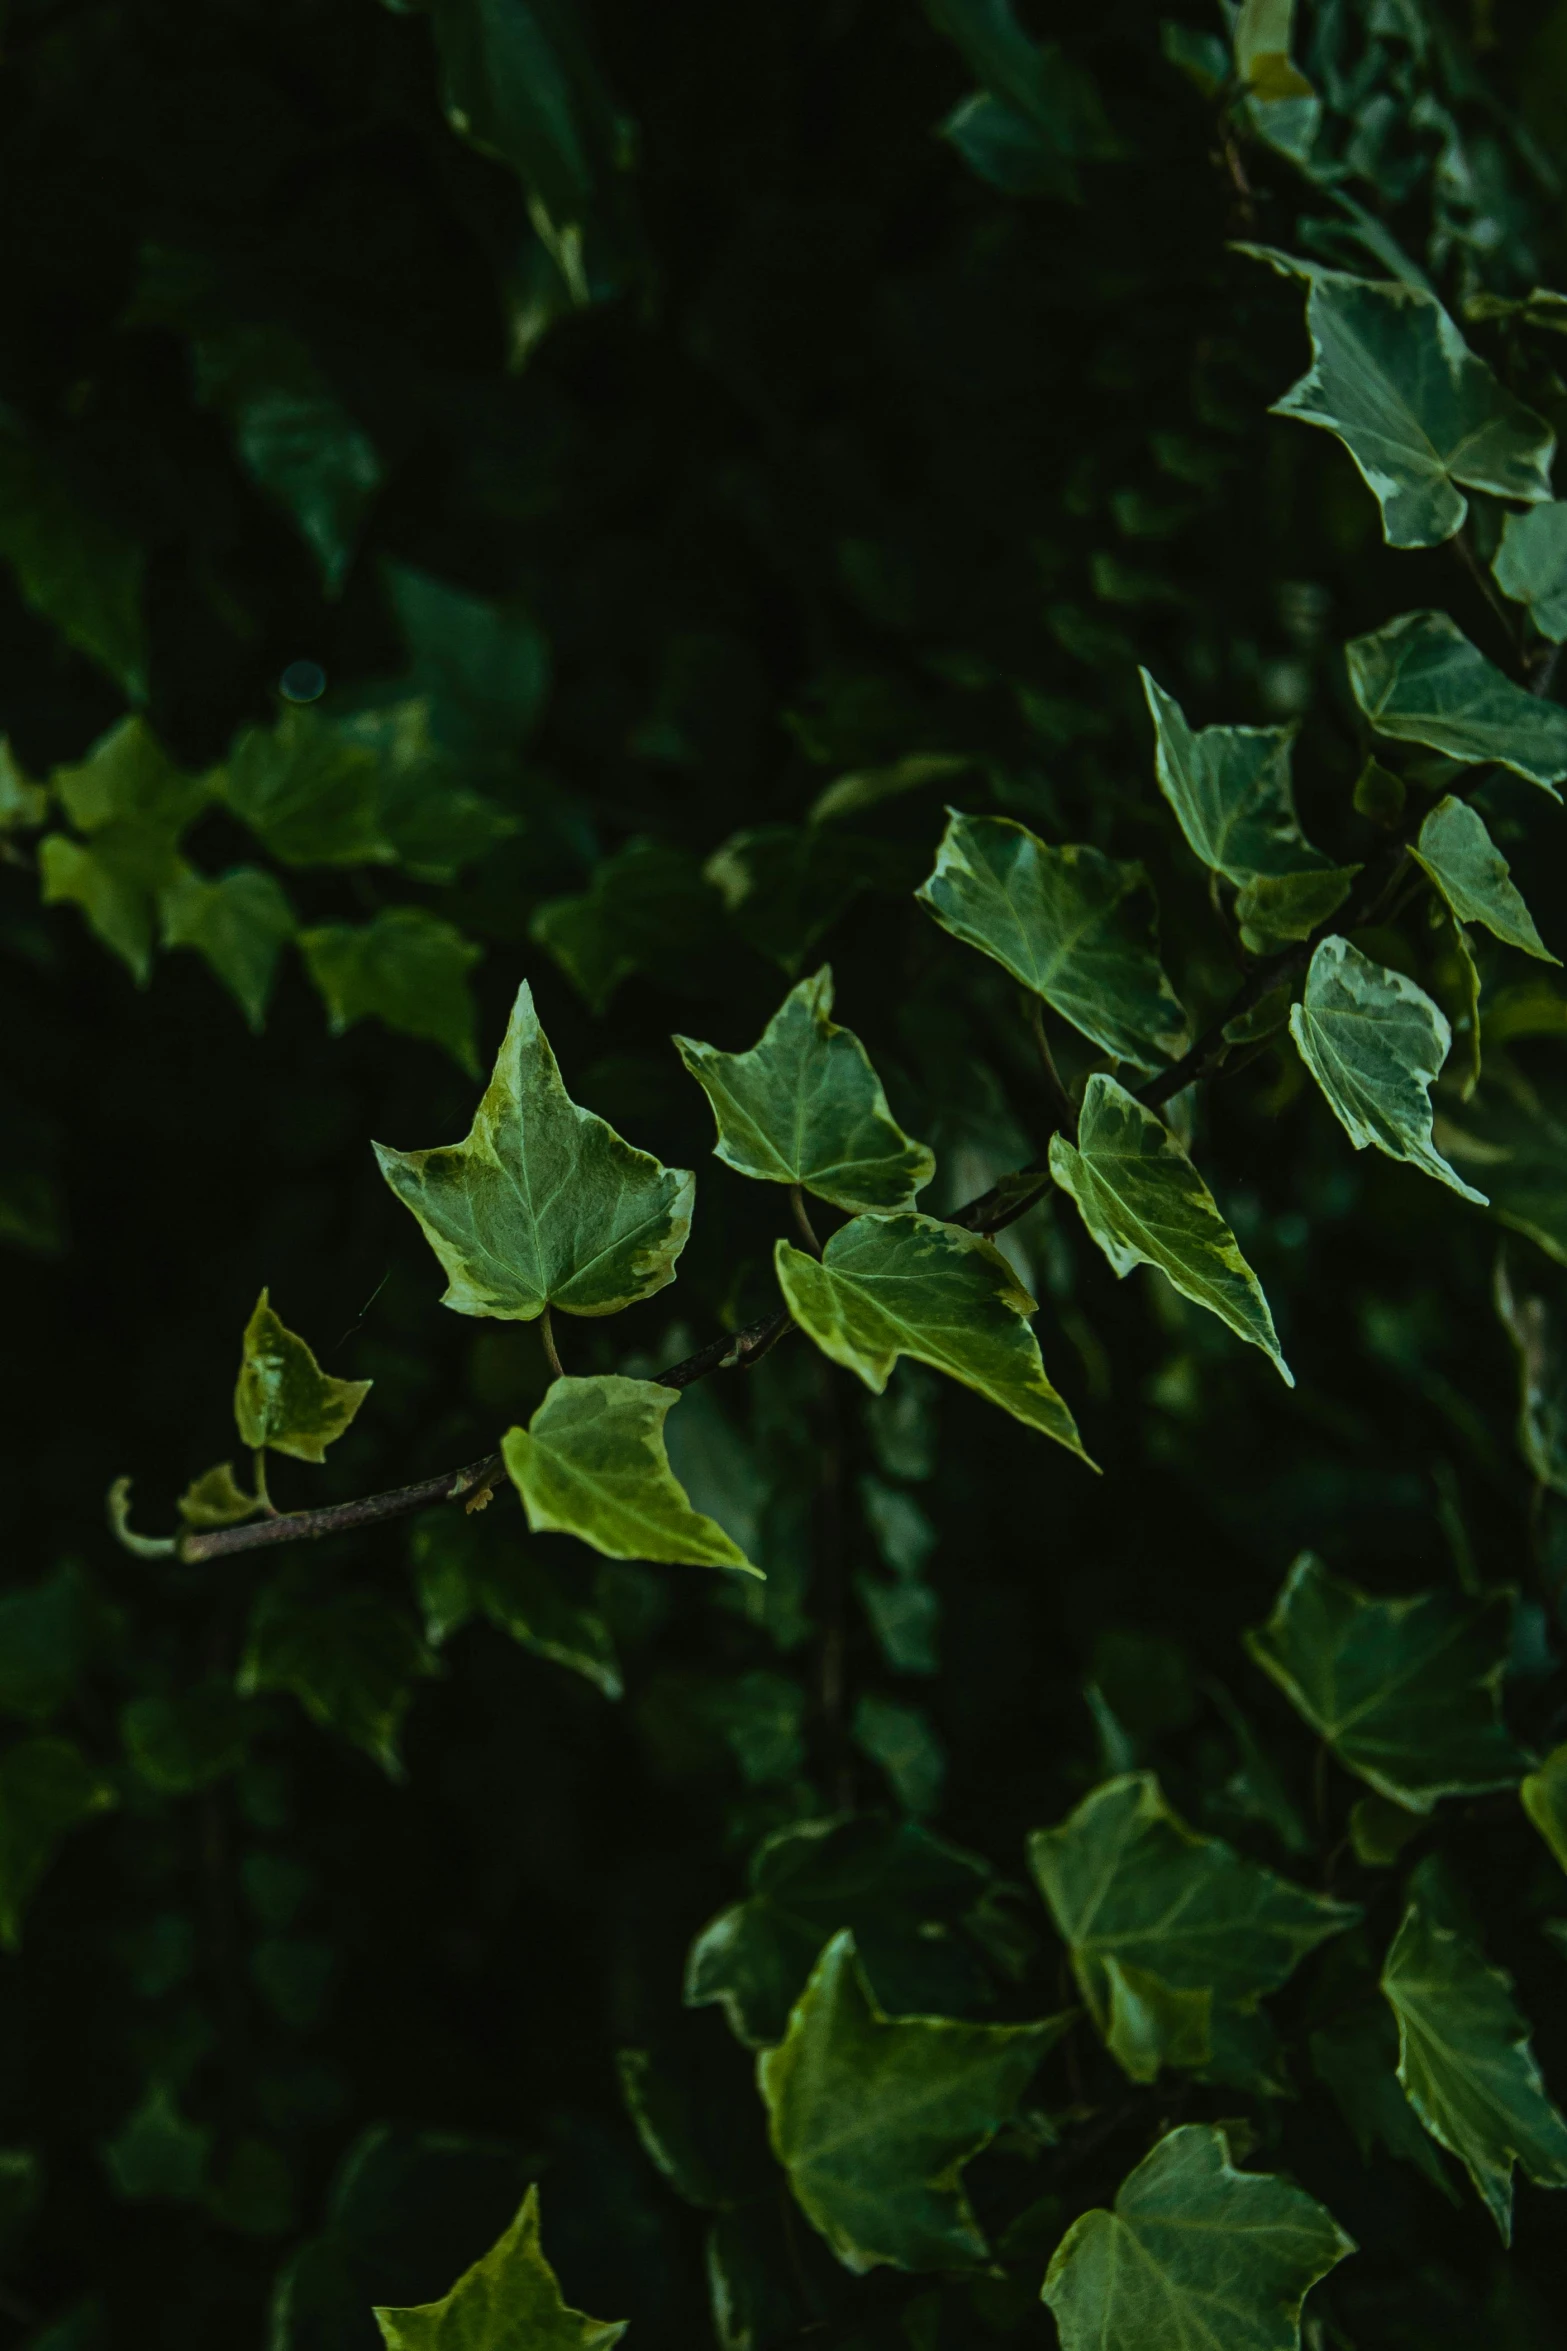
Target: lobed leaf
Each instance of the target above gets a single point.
(405, 967)
(1231, 791)
(542, 1204)
(1473, 876)
(239, 922)
(1419, 680)
(805, 1106)
(1530, 565)
(283, 1399)
(1145, 1204)
(591, 1463)
(509, 2300)
(887, 1286)
(47, 1789)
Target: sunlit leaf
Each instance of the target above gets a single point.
(887, 1286)
(283, 1398)
(308, 790)
(47, 1789)
(591, 1463)
(406, 967)
(874, 2117)
(508, 2301)
(1473, 876)
(1195, 2252)
(1405, 1692)
(240, 922)
(805, 1106)
(542, 1204)
(1531, 565)
(1420, 680)
(1167, 1928)
(1230, 788)
(902, 1892)
(1466, 2065)
(1071, 924)
(1374, 1042)
(1145, 1204)
(1422, 417)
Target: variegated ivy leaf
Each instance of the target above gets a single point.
(887, 1286)
(1419, 680)
(1230, 789)
(1276, 908)
(283, 1398)
(805, 1107)
(1465, 2062)
(509, 2300)
(1374, 1042)
(1145, 1204)
(592, 1463)
(1194, 2253)
(1423, 418)
(1071, 924)
(1405, 1692)
(873, 2117)
(1474, 877)
(1531, 565)
(1170, 1933)
(542, 1204)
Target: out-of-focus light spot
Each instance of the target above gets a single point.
(302, 681)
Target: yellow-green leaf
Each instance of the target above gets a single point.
(240, 922)
(283, 1398)
(405, 967)
(508, 2301)
(592, 1463)
(1473, 876)
(1544, 1798)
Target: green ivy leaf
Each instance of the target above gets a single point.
(1514, 1134)
(784, 886)
(72, 565)
(217, 1499)
(1261, 44)
(874, 2117)
(1544, 1798)
(240, 922)
(509, 2301)
(132, 803)
(308, 789)
(1276, 908)
(1473, 876)
(1405, 1692)
(543, 1204)
(1038, 113)
(1166, 1928)
(464, 1568)
(351, 1658)
(24, 805)
(1145, 1204)
(591, 1463)
(899, 1739)
(157, 2152)
(1072, 925)
(1374, 1042)
(283, 1398)
(46, 1638)
(1419, 680)
(1421, 416)
(1231, 791)
(1466, 2065)
(805, 1106)
(434, 823)
(485, 667)
(407, 968)
(649, 908)
(47, 1789)
(187, 1742)
(1530, 565)
(1356, 2056)
(903, 1894)
(1194, 2252)
(906, 1285)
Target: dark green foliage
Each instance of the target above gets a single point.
(558, 513)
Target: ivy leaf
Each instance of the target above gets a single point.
(900, 1740)
(1544, 1798)
(1420, 680)
(1145, 1204)
(1038, 112)
(308, 789)
(132, 803)
(72, 565)
(784, 886)
(542, 1204)
(1534, 1327)
(463, 1568)
(1473, 876)
(47, 1789)
(1422, 417)
(649, 908)
(903, 1894)
(906, 1285)
(1514, 1133)
(591, 1463)
(1262, 52)
(1466, 2065)
(485, 667)
(1530, 565)
(407, 968)
(216, 1499)
(1231, 791)
(283, 1398)
(1405, 1692)
(434, 823)
(46, 1639)
(1276, 908)
(874, 2117)
(805, 1106)
(508, 2301)
(1072, 925)
(240, 922)
(178, 1744)
(351, 1658)
(1356, 2056)
(1374, 1042)
(157, 2152)
(1194, 2252)
(1167, 1928)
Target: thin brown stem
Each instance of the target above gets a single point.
(547, 1334)
(802, 1219)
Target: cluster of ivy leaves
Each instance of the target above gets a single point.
(608, 546)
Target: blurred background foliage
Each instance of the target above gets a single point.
(504, 490)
